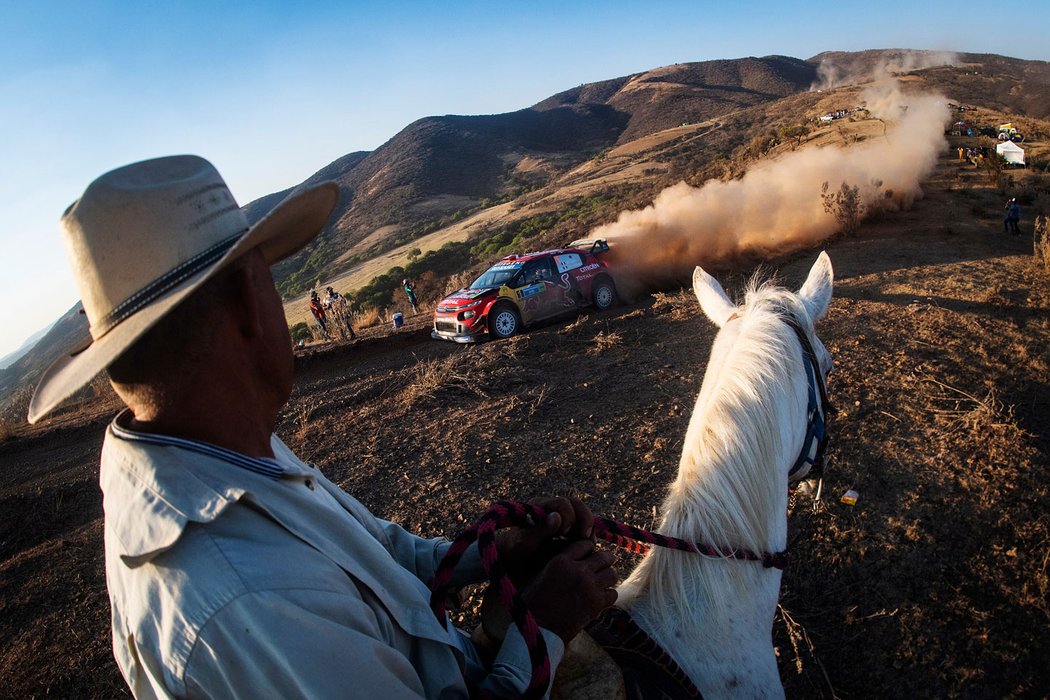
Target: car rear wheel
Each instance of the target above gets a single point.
(504, 321)
(604, 294)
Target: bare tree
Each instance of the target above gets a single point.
(845, 205)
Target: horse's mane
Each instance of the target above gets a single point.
(728, 491)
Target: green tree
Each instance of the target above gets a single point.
(798, 132)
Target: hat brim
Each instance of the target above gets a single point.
(283, 231)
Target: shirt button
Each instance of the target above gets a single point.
(310, 484)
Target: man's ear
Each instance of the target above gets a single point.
(713, 300)
(241, 288)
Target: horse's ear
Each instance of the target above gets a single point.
(712, 297)
(816, 292)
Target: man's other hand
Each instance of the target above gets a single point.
(572, 589)
(527, 549)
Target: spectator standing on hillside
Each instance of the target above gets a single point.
(235, 569)
(410, 292)
(317, 309)
(340, 309)
(1013, 218)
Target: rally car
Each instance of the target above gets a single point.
(520, 290)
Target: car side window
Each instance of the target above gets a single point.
(538, 270)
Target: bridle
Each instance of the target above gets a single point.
(516, 513)
(811, 458)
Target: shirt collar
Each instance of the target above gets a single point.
(153, 485)
(265, 466)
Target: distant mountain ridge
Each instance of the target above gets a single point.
(441, 169)
(10, 358)
(64, 334)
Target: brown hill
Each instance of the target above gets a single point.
(1007, 84)
(583, 155)
(691, 92)
(18, 379)
(934, 584)
(438, 169)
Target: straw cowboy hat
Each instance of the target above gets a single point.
(144, 237)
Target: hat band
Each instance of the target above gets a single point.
(163, 284)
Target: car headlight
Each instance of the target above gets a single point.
(471, 304)
(468, 314)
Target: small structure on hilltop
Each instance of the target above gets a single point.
(1010, 152)
(832, 116)
(1007, 132)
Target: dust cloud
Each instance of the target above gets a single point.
(777, 206)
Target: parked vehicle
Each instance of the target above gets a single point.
(521, 290)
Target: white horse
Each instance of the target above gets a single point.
(714, 616)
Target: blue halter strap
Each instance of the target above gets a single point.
(811, 458)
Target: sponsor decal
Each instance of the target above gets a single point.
(468, 294)
(507, 266)
(566, 290)
(530, 291)
(592, 266)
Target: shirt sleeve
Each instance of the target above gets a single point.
(512, 669)
(421, 556)
(301, 644)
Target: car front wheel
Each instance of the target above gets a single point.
(504, 322)
(604, 294)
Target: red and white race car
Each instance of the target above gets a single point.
(520, 290)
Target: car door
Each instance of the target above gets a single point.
(536, 297)
(567, 266)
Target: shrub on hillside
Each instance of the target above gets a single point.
(1041, 242)
(368, 318)
(300, 331)
(845, 205)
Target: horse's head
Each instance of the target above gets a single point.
(769, 307)
(754, 427)
(812, 298)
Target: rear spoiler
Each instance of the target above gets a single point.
(594, 246)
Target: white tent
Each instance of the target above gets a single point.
(1010, 152)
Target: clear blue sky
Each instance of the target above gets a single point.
(273, 91)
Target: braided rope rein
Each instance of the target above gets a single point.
(516, 513)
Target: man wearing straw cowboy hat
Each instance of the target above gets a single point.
(235, 569)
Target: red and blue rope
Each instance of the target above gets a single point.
(516, 513)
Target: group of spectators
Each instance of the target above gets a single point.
(334, 305)
(974, 155)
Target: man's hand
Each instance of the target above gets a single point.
(572, 589)
(525, 550)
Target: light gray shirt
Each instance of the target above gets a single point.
(233, 576)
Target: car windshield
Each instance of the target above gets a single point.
(496, 276)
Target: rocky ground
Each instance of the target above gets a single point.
(935, 584)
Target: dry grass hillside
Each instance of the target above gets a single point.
(935, 584)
